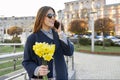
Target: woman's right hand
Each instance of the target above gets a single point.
(43, 70)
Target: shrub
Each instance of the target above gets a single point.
(84, 41)
(108, 42)
(7, 41)
(16, 40)
(99, 43)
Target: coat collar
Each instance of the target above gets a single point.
(41, 36)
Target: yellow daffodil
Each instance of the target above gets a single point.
(44, 51)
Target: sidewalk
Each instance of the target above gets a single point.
(93, 66)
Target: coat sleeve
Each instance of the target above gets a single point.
(28, 62)
(66, 44)
(68, 49)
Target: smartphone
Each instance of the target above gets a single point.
(56, 24)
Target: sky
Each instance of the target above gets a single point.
(27, 7)
(112, 1)
(19, 8)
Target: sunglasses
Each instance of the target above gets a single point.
(51, 15)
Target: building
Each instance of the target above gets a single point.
(81, 9)
(113, 12)
(24, 22)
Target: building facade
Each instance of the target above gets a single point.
(23, 22)
(81, 9)
(113, 12)
(26, 23)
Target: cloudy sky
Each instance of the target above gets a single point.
(30, 7)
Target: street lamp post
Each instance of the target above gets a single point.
(92, 39)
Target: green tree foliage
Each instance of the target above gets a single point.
(78, 26)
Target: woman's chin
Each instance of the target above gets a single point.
(52, 26)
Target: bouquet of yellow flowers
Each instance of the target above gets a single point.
(44, 51)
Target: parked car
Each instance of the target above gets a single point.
(74, 36)
(117, 36)
(118, 43)
(98, 38)
(113, 38)
(87, 36)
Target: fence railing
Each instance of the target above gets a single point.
(18, 75)
(14, 56)
(12, 44)
(11, 56)
(20, 54)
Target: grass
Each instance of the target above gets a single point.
(8, 65)
(111, 49)
(10, 70)
(5, 65)
(9, 49)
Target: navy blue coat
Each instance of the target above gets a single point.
(31, 60)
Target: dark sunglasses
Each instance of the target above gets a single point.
(51, 15)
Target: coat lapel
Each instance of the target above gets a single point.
(56, 39)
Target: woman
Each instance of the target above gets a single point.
(44, 32)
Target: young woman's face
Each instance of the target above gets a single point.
(49, 19)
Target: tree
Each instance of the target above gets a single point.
(14, 31)
(104, 25)
(78, 26)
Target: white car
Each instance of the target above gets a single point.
(99, 38)
(118, 43)
(86, 36)
(113, 38)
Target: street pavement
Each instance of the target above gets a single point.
(94, 66)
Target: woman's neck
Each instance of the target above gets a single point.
(46, 28)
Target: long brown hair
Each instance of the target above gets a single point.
(40, 17)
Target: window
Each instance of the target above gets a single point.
(71, 7)
(118, 10)
(99, 12)
(67, 4)
(118, 20)
(113, 11)
(67, 16)
(5, 18)
(114, 19)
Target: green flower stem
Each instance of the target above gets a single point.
(45, 77)
(44, 63)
